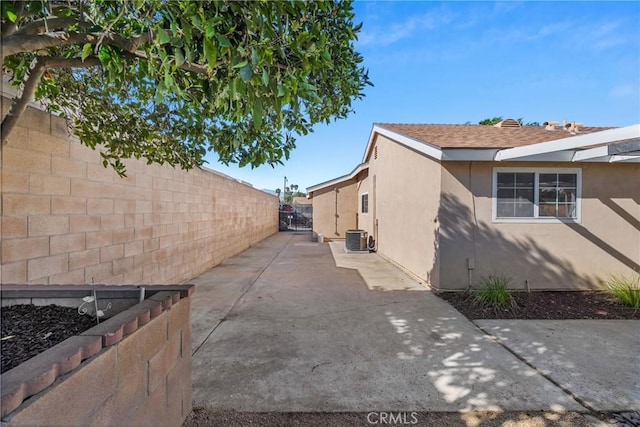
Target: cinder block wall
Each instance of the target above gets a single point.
(144, 380)
(68, 220)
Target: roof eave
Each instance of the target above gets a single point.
(361, 167)
(420, 146)
(570, 143)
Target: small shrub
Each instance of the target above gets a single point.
(495, 293)
(625, 289)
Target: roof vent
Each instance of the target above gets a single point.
(508, 123)
(573, 127)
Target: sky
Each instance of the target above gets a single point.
(458, 62)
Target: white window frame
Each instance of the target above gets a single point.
(536, 183)
(361, 196)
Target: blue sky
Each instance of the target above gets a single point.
(457, 62)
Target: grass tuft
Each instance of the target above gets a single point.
(494, 293)
(625, 289)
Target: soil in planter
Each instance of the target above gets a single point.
(555, 305)
(28, 330)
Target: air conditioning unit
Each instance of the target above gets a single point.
(355, 240)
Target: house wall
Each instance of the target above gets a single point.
(404, 202)
(335, 209)
(68, 220)
(544, 256)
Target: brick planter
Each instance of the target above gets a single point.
(132, 369)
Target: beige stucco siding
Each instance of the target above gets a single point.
(404, 188)
(335, 209)
(546, 256)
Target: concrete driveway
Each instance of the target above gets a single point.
(291, 325)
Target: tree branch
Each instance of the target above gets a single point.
(59, 62)
(145, 37)
(19, 103)
(187, 66)
(10, 27)
(46, 25)
(18, 43)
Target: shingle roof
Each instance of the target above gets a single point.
(301, 201)
(478, 136)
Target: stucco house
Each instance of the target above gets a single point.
(550, 207)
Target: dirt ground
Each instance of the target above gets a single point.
(550, 305)
(202, 417)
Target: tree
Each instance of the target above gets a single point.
(169, 80)
(490, 121)
(495, 120)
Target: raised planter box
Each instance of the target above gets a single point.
(132, 369)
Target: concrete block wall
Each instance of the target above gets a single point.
(68, 220)
(143, 380)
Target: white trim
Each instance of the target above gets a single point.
(469, 154)
(366, 193)
(356, 171)
(572, 142)
(591, 154)
(421, 147)
(601, 154)
(369, 143)
(559, 156)
(536, 219)
(628, 159)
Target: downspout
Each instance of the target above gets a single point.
(472, 261)
(336, 214)
(373, 243)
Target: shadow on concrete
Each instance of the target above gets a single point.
(308, 336)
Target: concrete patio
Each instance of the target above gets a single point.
(291, 325)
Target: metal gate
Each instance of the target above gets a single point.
(296, 217)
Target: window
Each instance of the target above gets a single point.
(364, 203)
(540, 194)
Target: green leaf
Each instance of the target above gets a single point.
(210, 31)
(179, 57)
(188, 54)
(246, 73)
(11, 15)
(240, 64)
(223, 41)
(257, 113)
(159, 96)
(210, 54)
(308, 86)
(265, 77)
(163, 36)
(168, 81)
(86, 51)
(103, 54)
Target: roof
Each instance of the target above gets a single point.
(361, 167)
(527, 143)
(479, 136)
(489, 143)
(301, 201)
